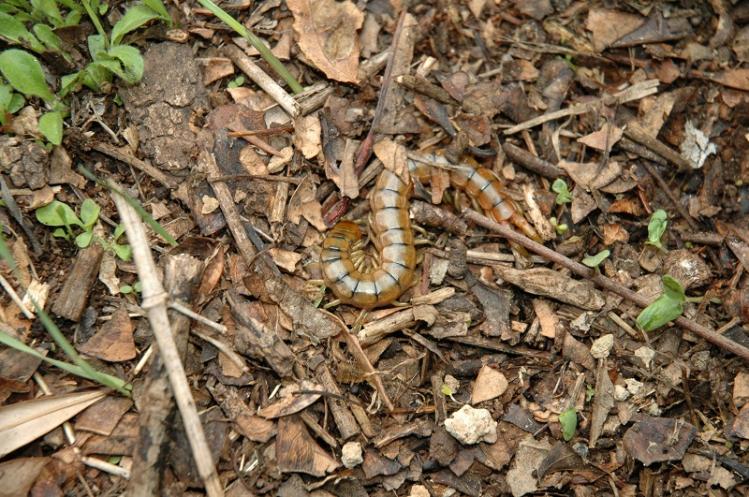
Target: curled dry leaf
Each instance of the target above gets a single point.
(327, 31)
(549, 283)
(292, 399)
(307, 136)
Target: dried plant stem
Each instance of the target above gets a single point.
(602, 281)
(155, 304)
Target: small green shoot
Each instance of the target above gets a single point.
(568, 420)
(137, 287)
(561, 229)
(594, 261)
(236, 82)
(563, 192)
(447, 391)
(657, 227)
(62, 217)
(590, 392)
(664, 309)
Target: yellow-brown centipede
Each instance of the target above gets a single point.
(392, 235)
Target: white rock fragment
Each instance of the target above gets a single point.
(634, 386)
(470, 426)
(351, 454)
(419, 491)
(602, 346)
(620, 393)
(646, 355)
(452, 382)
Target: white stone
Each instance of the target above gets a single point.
(602, 346)
(646, 355)
(351, 454)
(419, 491)
(471, 426)
(452, 382)
(620, 393)
(634, 386)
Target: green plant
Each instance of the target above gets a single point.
(22, 74)
(664, 309)
(561, 229)
(595, 260)
(562, 190)
(79, 366)
(568, 420)
(236, 82)
(657, 227)
(136, 287)
(66, 223)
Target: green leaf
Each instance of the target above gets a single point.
(563, 193)
(656, 228)
(96, 75)
(6, 94)
(70, 83)
(124, 252)
(236, 82)
(596, 260)
(143, 213)
(158, 7)
(57, 213)
(568, 420)
(48, 37)
(119, 230)
(446, 390)
(14, 31)
(47, 9)
(24, 73)
(97, 45)
(16, 103)
(664, 309)
(84, 239)
(126, 289)
(132, 63)
(89, 213)
(61, 233)
(135, 17)
(50, 125)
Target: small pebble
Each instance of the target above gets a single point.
(351, 454)
(471, 426)
(633, 386)
(620, 393)
(419, 491)
(602, 346)
(646, 355)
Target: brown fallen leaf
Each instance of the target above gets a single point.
(307, 135)
(489, 384)
(327, 32)
(549, 283)
(614, 232)
(603, 401)
(608, 26)
(292, 399)
(604, 138)
(297, 451)
(22, 422)
(18, 475)
(670, 436)
(114, 341)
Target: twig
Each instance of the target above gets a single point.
(532, 162)
(15, 298)
(256, 74)
(154, 303)
(667, 190)
(634, 132)
(602, 281)
(634, 92)
(138, 164)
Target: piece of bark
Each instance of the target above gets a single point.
(155, 402)
(344, 419)
(72, 299)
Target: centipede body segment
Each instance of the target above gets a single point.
(392, 235)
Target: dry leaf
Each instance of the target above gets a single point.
(285, 259)
(608, 26)
(327, 32)
(215, 68)
(277, 162)
(550, 283)
(297, 451)
(307, 135)
(604, 138)
(114, 341)
(22, 422)
(393, 157)
(613, 233)
(18, 475)
(292, 399)
(489, 384)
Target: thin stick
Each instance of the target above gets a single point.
(667, 190)
(256, 74)
(15, 298)
(138, 164)
(155, 304)
(602, 281)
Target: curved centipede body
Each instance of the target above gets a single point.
(392, 235)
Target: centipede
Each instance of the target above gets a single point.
(390, 227)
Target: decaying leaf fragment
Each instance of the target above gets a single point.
(542, 281)
(327, 31)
